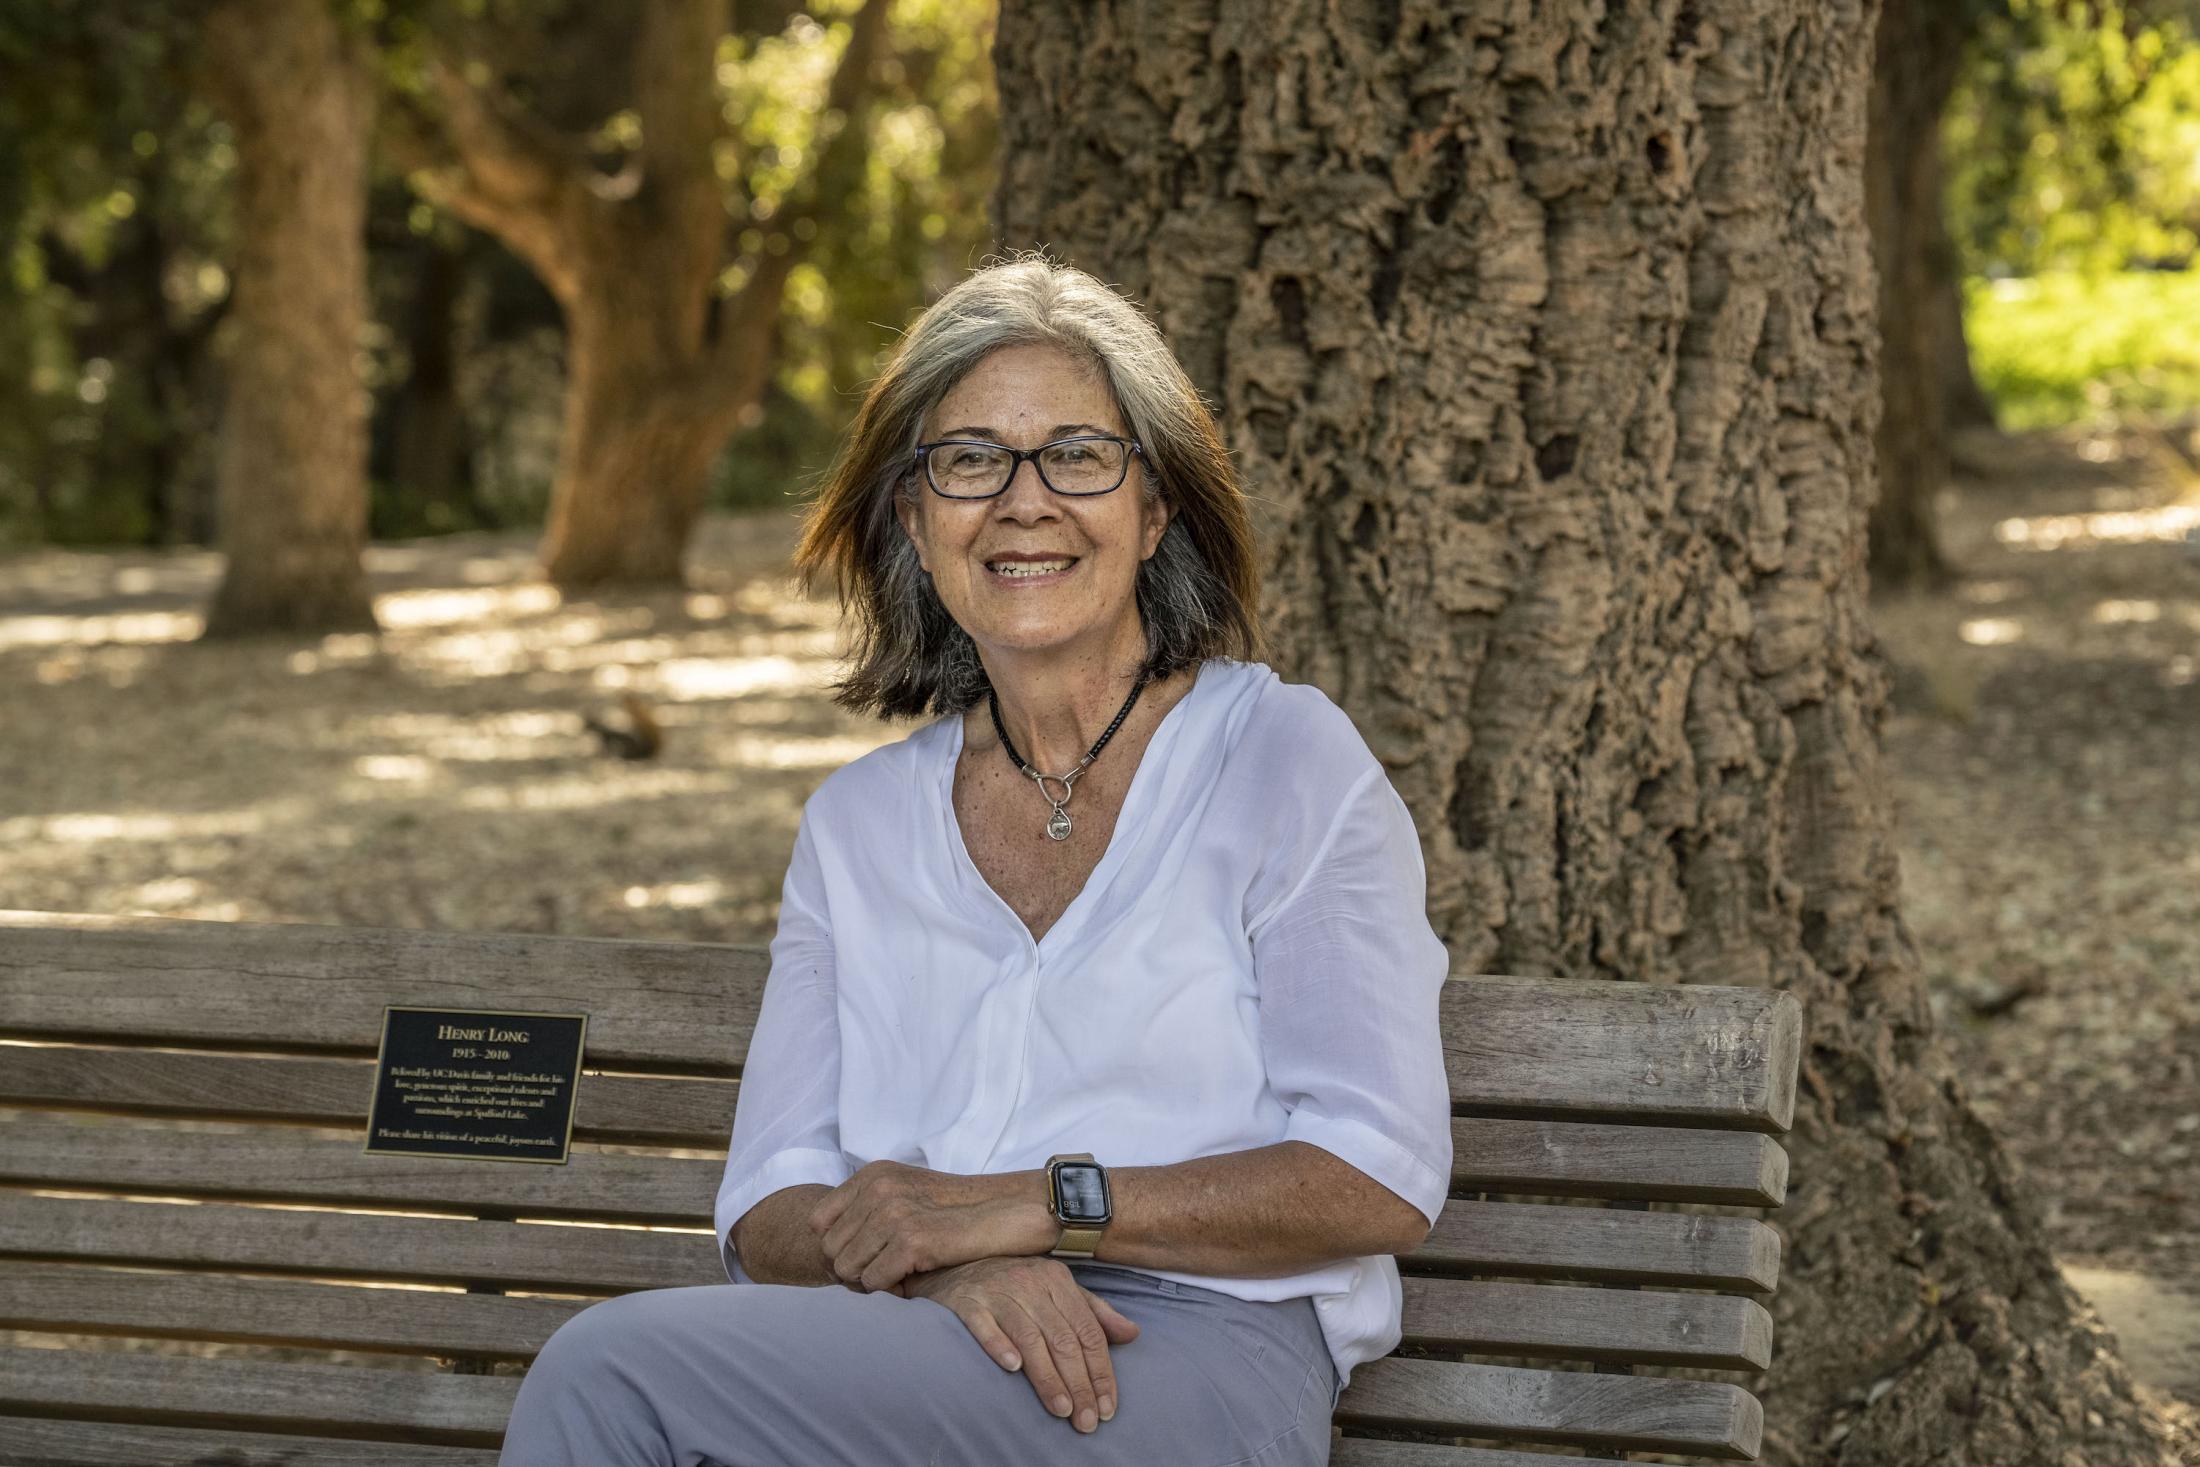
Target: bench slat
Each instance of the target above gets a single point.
(1609, 1326)
(75, 1299)
(330, 1091)
(355, 1245)
(31, 1442)
(1642, 1413)
(1567, 1089)
(277, 1164)
(1552, 1158)
(1691, 1054)
(1597, 1159)
(309, 1399)
(1364, 1451)
(1531, 1240)
(1708, 1331)
(1568, 1408)
(1602, 1245)
(291, 985)
(34, 1443)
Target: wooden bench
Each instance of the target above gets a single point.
(182, 1161)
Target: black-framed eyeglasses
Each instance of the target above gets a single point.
(972, 468)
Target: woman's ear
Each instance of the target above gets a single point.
(1155, 530)
(905, 513)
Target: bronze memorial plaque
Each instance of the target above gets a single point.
(475, 1084)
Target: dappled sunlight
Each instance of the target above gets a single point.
(780, 600)
(2119, 612)
(91, 827)
(624, 1227)
(597, 789)
(56, 580)
(688, 678)
(435, 773)
(820, 753)
(177, 896)
(487, 570)
(482, 739)
(629, 651)
(171, 1199)
(396, 768)
(47, 630)
(2115, 526)
(501, 651)
(674, 894)
(340, 649)
(401, 610)
(1991, 631)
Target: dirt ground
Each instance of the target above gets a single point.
(2046, 753)
(2045, 745)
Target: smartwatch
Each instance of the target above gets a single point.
(1077, 1194)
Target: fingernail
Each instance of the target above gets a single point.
(1061, 1405)
(1086, 1420)
(1107, 1408)
(1015, 1362)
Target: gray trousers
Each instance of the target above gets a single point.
(771, 1375)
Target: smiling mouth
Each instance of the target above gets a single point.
(1015, 572)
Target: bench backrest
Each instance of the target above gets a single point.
(187, 1100)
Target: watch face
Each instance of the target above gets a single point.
(1080, 1192)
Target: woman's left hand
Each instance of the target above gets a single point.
(891, 1220)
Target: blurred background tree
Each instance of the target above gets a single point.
(2072, 144)
(115, 186)
(2059, 290)
(113, 209)
(2026, 158)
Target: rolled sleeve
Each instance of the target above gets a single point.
(786, 1126)
(777, 1172)
(1351, 978)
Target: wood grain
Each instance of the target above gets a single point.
(30, 1442)
(1570, 1408)
(309, 1399)
(1704, 1055)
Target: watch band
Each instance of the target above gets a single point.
(1079, 1239)
(1077, 1242)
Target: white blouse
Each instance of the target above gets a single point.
(1250, 962)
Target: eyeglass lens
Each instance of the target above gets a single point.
(1072, 466)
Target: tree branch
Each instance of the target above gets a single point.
(746, 318)
(675, 81)
(503, 171)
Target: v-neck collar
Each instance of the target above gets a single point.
(1130, 817)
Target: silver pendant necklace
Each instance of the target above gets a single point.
(1058, 823)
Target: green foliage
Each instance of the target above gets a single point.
(2069, 346)
(913, 222)
(114, 243)
(111, 228)
(2073, 139)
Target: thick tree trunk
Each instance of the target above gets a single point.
(1919, 51)
(635, 452)
(292, 456)
(1967, 403)
(659, 369)
(1546, 333)
(646, 409)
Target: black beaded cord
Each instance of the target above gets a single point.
(1058, 828)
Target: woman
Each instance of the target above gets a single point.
(1099, 1044)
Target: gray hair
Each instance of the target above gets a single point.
(1196, 593)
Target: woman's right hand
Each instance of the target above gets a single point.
(1030, 1313)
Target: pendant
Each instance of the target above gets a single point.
(1058, 827)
